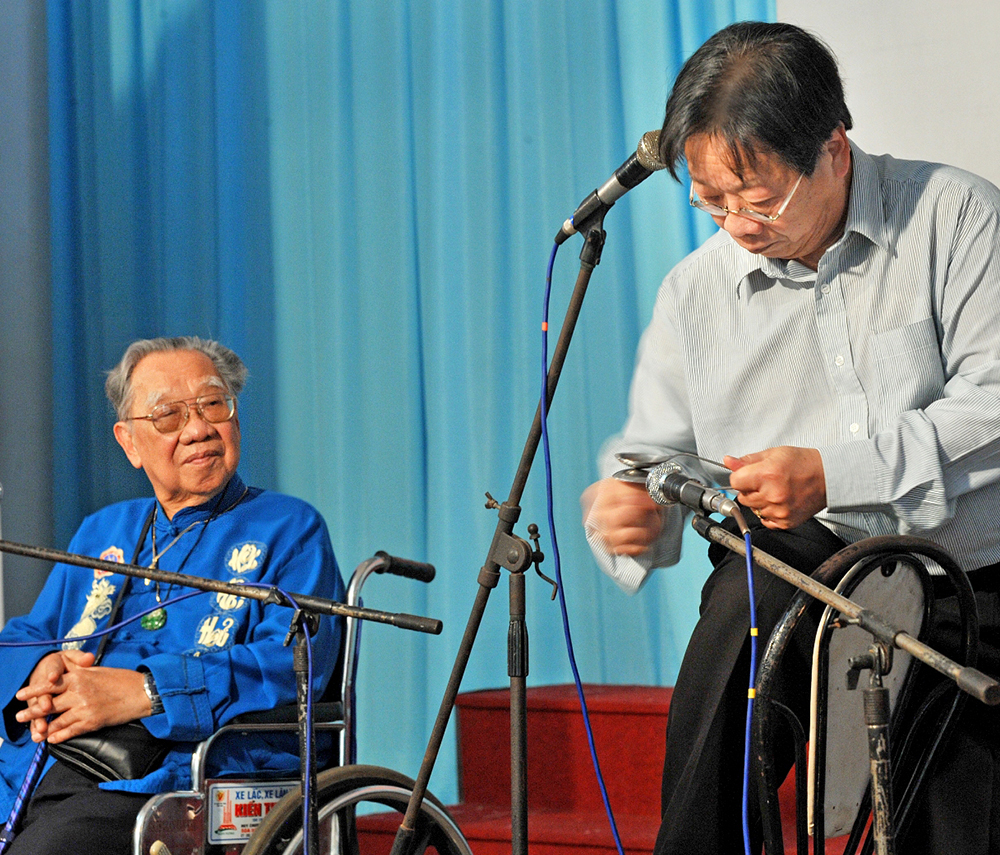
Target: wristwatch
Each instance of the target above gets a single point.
(155, 701)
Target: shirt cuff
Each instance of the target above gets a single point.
(849, 470)
(187, 709)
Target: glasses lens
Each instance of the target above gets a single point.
(167, 418)
(746, 213)
(714, 210)
(756, 216)
(216, 408)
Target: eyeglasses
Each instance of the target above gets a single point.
(756, 216)
(167, 418)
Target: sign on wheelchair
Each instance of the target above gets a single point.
(236, 809)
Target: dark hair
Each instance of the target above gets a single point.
(118, 385)
(759, 88)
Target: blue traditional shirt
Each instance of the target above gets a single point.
(217, 655)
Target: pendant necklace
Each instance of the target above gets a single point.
(157, 619)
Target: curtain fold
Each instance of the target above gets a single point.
(359, 197)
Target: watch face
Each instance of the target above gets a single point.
(155, 701)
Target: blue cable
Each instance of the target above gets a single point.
(23, 794)
(307, 790)
(751, 694)
(555, 554)
(106, 630)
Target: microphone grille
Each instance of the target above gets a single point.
(648, 152)
(655, 482)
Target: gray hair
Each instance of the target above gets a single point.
(118, 385)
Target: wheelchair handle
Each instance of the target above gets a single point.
(404, 567)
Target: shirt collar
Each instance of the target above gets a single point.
(231, 495)
(866, 212)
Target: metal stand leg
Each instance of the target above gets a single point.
(517, 670)
(878, 660)
(301, 624)
(516, 555)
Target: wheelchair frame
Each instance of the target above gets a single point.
(177, 822)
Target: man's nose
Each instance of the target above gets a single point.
(739, 226)
(197, 425)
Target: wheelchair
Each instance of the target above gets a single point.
(890, 576)
(257, 814)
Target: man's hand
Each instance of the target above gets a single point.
(622, 516)
(784, 486)
(79, 696)
(43, 683)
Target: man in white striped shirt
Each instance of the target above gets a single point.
(835, 345)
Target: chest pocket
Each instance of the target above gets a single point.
(908, 370)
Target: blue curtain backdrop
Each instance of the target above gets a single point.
(359, 197)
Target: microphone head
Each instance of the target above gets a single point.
(656, 481)
(648, 152)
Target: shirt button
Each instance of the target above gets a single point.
(825, 289)
(855, 427)
(839, 360)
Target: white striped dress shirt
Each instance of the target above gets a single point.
(886, 359)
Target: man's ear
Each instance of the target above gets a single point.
(124, 437)
(840, 149)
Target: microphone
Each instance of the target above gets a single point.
(640, 165)
(667, 485)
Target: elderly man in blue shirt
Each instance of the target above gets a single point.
(184, 668)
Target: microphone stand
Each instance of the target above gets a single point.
(971, 681)
(267, 595)
(509, 551)
(307, 609)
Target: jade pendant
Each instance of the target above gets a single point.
(154, 620)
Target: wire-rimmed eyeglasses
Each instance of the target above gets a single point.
(168, 418)
(747, 213)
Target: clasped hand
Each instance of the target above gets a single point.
(784, 486)
(67, 695)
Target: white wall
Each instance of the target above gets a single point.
(922, 77)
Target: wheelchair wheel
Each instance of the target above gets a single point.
(339, 792)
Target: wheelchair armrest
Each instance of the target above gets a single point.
(323, 712)
(327, 716)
